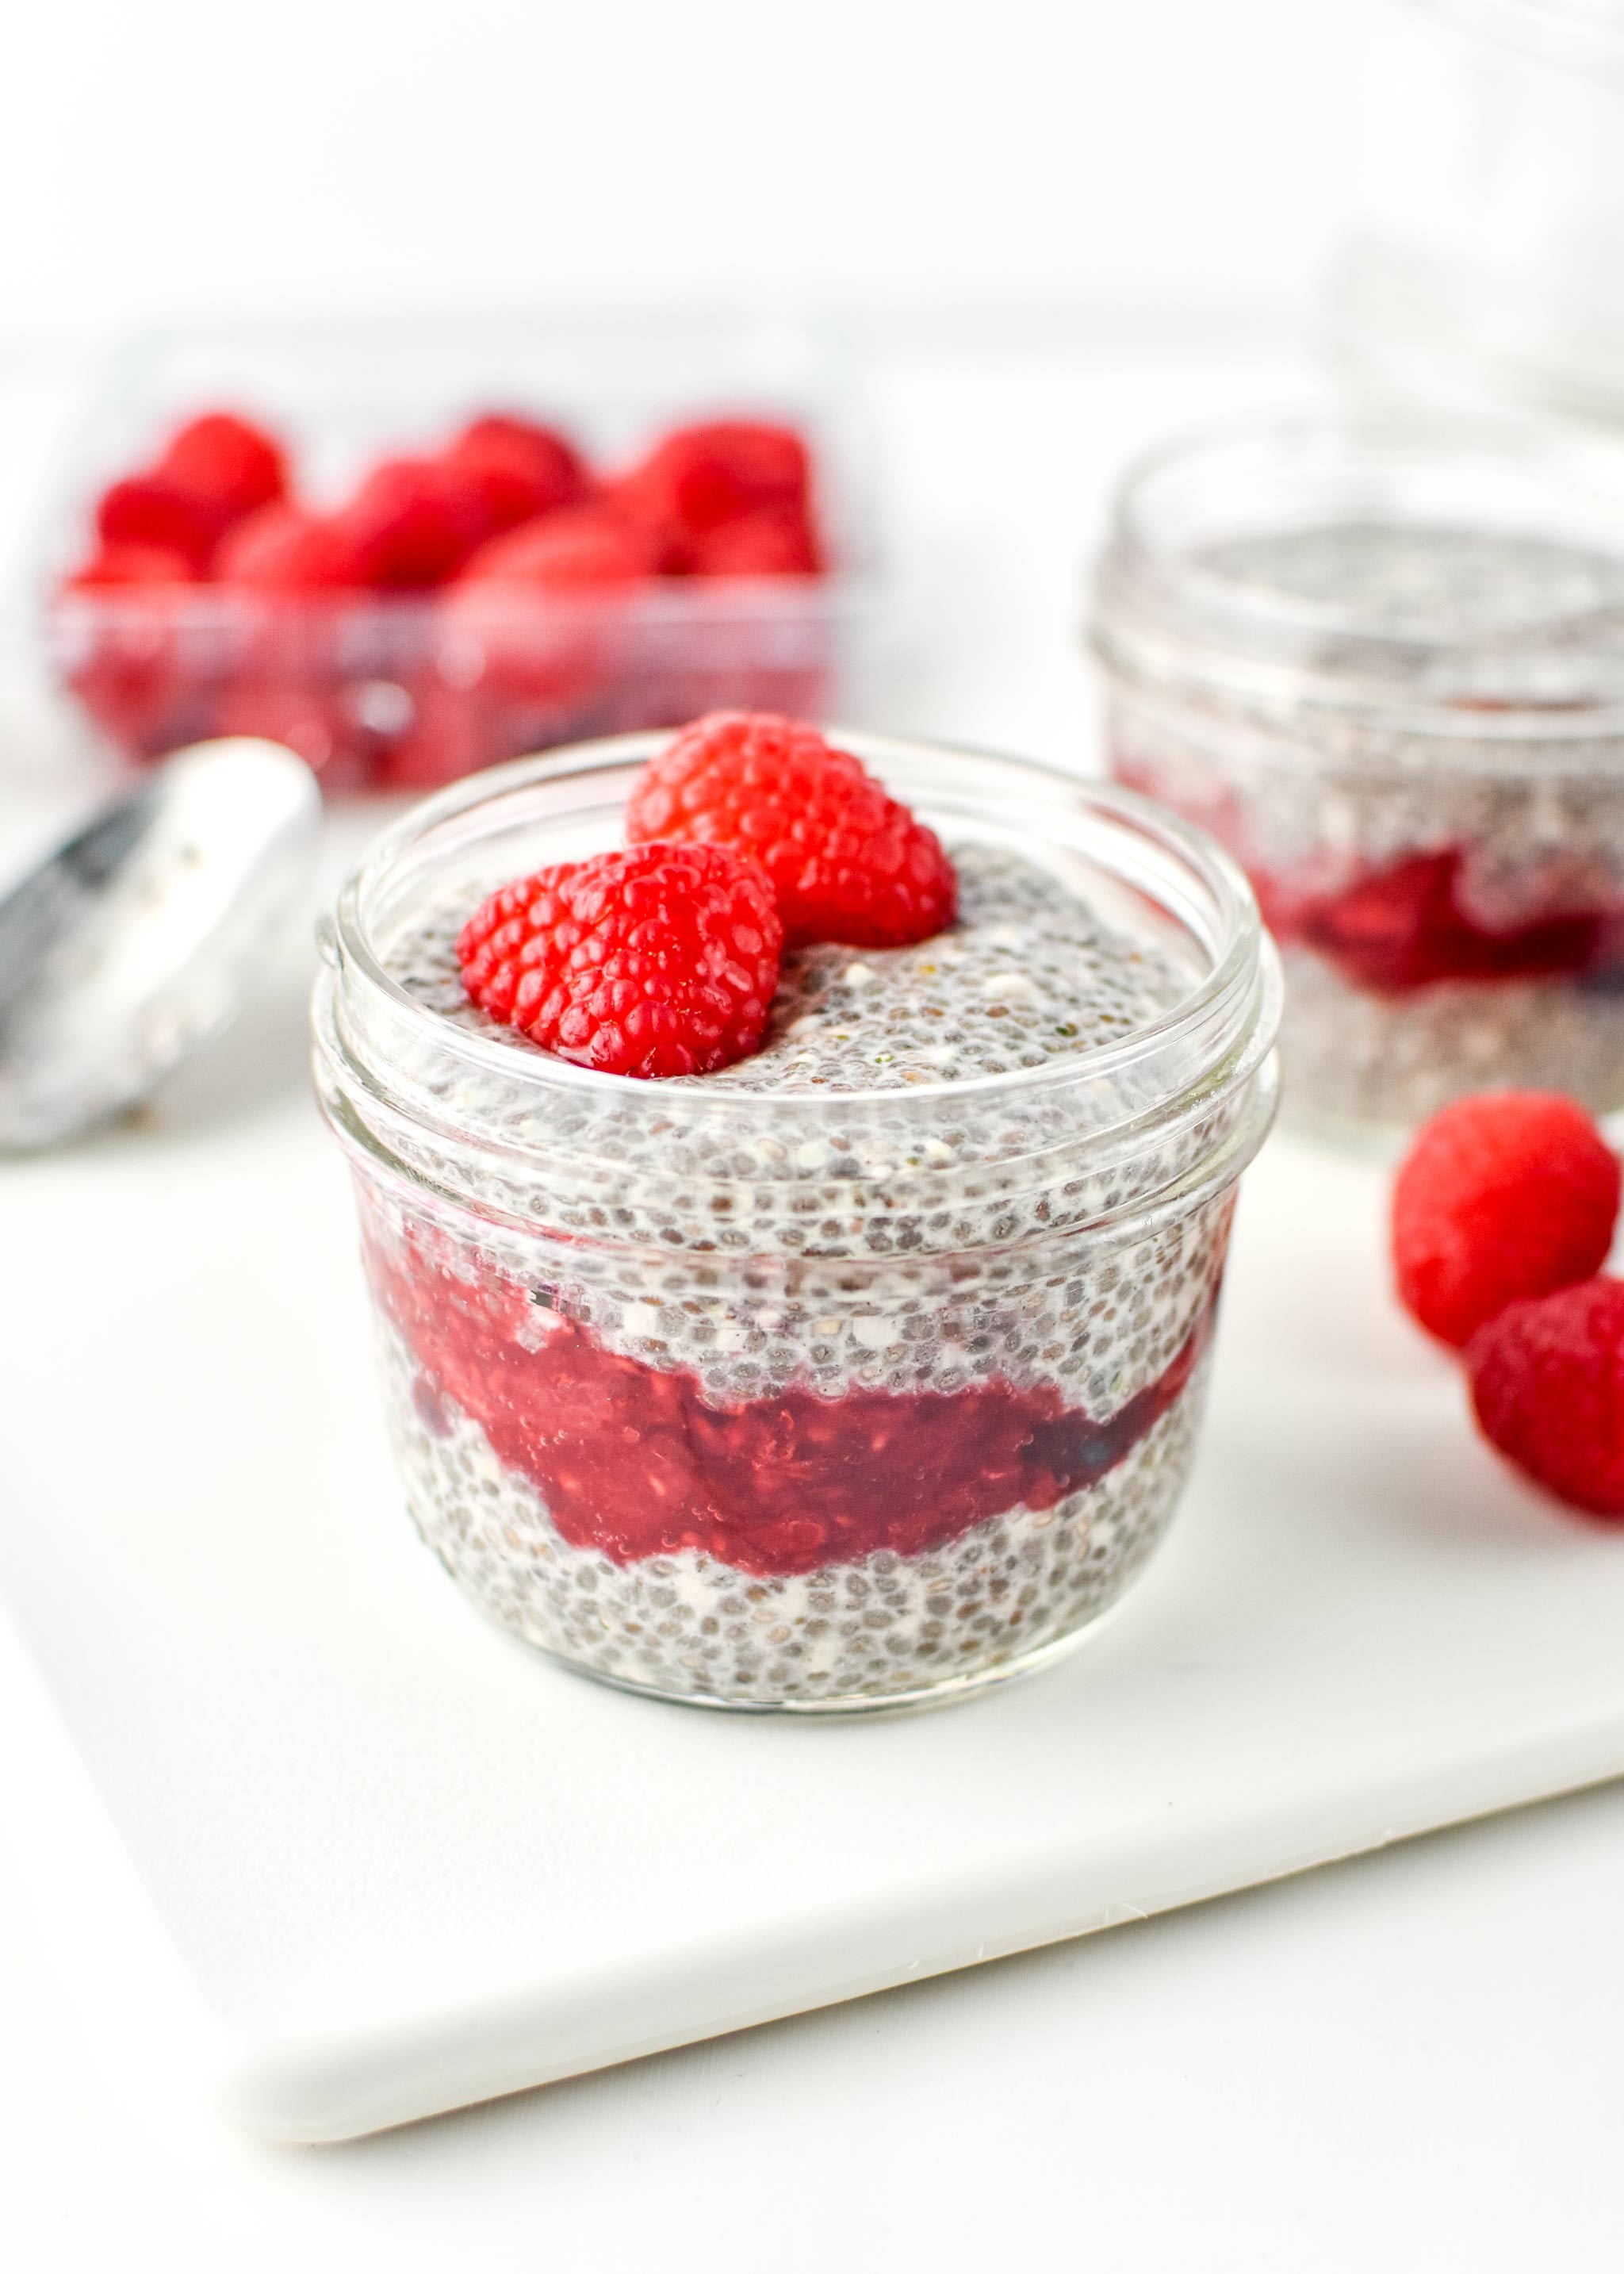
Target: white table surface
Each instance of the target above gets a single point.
(1405, 2062)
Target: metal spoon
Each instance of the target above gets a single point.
(136, 940)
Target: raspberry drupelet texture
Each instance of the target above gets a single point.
(660, 961)
(846, 861)
(1504, 1196)
(1547, 1381)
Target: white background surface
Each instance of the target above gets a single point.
(1408, 2063)
(1147, 155)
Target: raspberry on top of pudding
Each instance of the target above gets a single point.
(847, 861)
(1025, 974)
(662, 961)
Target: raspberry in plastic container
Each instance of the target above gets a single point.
(518, 470)
(1547, 1383)
(369, 478)
(524, 639)
(126, 631)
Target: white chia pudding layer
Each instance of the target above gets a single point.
(1355, 1059)
(1358, 748)
(745, 1260)
(876, 1630)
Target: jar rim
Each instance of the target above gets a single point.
(1158, 601)
(1232, 978)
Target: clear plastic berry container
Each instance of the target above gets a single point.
(831, 1382)
(1381, 658)
(392, 691)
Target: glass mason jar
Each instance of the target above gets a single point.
(815, 1398)
(1486, 263)
(1381, 658)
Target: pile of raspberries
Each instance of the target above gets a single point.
(1503, 1216)
(748, 835)
(219, 600)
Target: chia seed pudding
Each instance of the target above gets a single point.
(1383, 663)
(867, 1369)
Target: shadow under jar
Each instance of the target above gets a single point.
(861, 1373)
(1381, 658)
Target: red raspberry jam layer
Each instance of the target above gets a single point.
(1405, 926)
(634, 1461)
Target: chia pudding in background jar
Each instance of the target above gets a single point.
(1381, 658)
(867, 1369)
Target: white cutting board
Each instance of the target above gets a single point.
(341, 1855)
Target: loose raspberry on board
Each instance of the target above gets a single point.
(846, 861)
(659, 960)
(1503, 1196)
(1547, 1384)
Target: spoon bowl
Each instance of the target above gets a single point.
(135, 941)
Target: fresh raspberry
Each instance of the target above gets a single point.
(659, 961)
(112, 566)
(1501, 1197)
(530, 623)
(518, 470)
(151, 510)
(282, 548)
(229, 465)
(773, 541)
(122, 640)
(847, 861)
(698, 477)
(1547, 1384)
(584, 547)
(411, 525)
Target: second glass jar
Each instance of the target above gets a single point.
(1382, 659)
